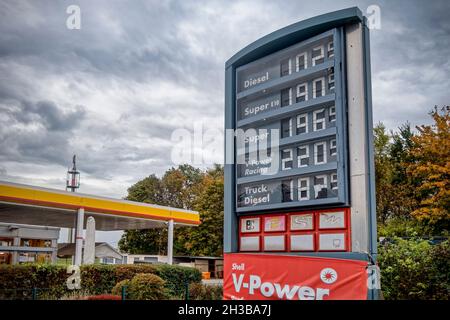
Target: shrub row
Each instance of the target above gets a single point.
(19, 280)
(199, 291)
(415, 269)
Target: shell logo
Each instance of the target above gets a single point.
(328, 275)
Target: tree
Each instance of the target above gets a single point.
(394, 192)
(207, 238)
(412, 178)
(144, 241)
(147, 190)
(175, 189)
(400, 152)
(383, 172)
(183, 187)
(431, 170)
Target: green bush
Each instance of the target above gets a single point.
(440, 272)
(414, 269)
(401, 227)
(147, 286)
(126, 271)
(200, 291)
(117, 290)
(177, 278)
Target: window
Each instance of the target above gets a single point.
(331, 82)
(301, 62)
(317, 55)
(320, 156)
(286, 128)
(6, 242)
(303, 189)
(330, 49)
(303, 156)
(319, 119)
(286, 97)
(333, 182)
(285, 67)
(302, 123)
(302, 92)
(332, 114)
(318, 88)
(320, 186)
(333, 148)
(286, 159)
(287, 186)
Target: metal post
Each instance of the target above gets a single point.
(186, 295)
(79, 237)
(124, 292)
(170, 242)
(34, 293)
(15, 254)
(55, 250)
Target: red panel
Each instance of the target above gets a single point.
(277, 277)
(286, 229)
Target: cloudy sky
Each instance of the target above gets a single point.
(114, 91)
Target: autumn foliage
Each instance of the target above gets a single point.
(431, 169)
(413, 178)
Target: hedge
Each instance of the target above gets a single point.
(415, 269)
(200, 291)
(17, 281)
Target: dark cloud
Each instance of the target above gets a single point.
(48, 114)
(36, 132)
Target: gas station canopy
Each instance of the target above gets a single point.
(26, 204)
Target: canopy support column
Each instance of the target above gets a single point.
(170, 242)
(79, 236)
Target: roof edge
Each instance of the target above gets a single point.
(294, 33)
(94, 197)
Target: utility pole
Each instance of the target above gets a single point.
(72, 184)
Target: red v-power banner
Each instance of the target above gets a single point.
(279, 277)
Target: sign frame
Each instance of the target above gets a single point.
(356, 65)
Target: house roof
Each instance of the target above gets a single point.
(68, 250)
